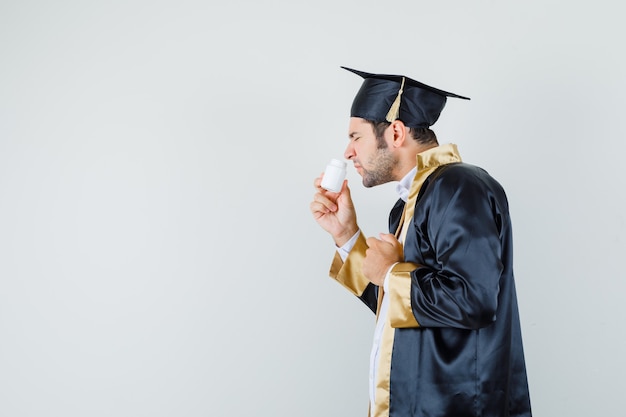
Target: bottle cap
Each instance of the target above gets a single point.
(338, 163)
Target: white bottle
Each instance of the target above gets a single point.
(334, 175)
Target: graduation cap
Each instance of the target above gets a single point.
(390, 97)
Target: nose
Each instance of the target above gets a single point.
(349, 152)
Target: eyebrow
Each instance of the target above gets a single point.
(353, 134)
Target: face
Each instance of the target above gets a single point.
(373, 163)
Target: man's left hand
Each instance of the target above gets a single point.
(380, 255)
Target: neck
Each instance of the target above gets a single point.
(409, 161)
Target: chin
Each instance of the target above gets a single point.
(370, 183)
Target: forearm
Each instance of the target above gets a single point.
(346, 270)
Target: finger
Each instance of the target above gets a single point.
(318, 181)
(345, 190)
(325, 201)
(318, 209)
(372, 242)
(345, 195)
(344, 187)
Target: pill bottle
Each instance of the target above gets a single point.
(334, 175)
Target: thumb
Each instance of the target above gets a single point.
(345, 192)
(389, 238)
(345, 188)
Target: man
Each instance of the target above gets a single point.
(447, 340)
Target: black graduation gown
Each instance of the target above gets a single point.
(460, 353)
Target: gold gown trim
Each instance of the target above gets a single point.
(349, 273)
(400, 312)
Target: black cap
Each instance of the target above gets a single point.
(390, 97)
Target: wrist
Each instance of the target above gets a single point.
(342, 238)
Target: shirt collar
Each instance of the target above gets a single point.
(403, 187)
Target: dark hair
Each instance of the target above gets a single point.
(422, 135)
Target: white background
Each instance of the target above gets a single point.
(157, 254)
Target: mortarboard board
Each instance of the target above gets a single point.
(390, 97)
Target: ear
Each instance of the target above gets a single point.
(399, 131)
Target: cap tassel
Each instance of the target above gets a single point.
(394, 111)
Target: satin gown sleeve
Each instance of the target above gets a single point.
(349, 274)
(453, 255)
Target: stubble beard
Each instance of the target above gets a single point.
(381, 171)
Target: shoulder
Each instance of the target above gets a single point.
(461, 172)
(460, 176)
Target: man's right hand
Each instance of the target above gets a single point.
(335, 212)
